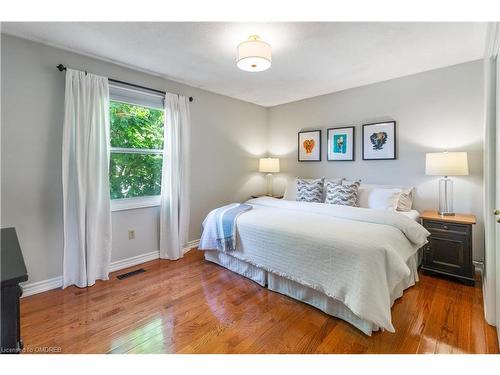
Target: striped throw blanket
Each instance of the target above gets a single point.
(226, 224)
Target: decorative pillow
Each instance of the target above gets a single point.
(350, 182)
(309, 190)
(405, 202)
(345, 195)
(378, 198)
(291, 187)
(329, 184)
(333, 181)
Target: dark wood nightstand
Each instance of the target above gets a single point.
(449, 251)
(265, 195)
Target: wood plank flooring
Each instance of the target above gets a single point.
(193, 306)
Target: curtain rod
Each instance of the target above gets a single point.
(62, 68)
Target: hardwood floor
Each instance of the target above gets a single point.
(193, 306)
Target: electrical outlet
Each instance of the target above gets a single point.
(131, 234)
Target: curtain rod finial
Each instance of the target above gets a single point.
(61, 67)
(191, 98)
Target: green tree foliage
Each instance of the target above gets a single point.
(135, 127)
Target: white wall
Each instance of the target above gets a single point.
(228, 135)
(436, 110)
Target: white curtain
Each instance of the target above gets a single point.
(85, 179)
(174, 206)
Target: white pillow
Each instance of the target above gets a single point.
(378, 198)
(405, 202)
(291, 187)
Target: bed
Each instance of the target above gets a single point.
(349, 262)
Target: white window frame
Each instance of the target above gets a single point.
(136, 202)
(116, 92)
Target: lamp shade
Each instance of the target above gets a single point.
(269, 165)
(446, 164)
(254, 55)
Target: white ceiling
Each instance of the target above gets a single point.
(309, 59)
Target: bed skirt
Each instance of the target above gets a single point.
(319, 300)
(308, 295)
(243, 268)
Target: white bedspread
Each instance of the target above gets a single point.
(355, 255)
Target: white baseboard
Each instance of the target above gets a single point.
(57, 282)
(191, 244)
(133, 261)
(42, 286)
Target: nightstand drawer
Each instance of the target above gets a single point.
(444, 227)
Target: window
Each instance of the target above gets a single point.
(136, 136)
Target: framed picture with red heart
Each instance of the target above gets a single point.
(309, 145)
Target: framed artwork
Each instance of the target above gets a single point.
(309, 145)
(340, 144)
(379, 141)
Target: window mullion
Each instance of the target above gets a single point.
(126, 150)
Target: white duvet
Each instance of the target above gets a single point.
(355, 255)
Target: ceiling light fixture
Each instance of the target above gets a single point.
(254, 55)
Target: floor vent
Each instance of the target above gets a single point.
(131, 273)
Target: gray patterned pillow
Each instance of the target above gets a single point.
(345, 195)
(310, 190)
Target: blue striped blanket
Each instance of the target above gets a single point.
(226, 224)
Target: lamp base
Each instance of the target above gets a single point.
(269, 185)
(445, 197)
(446, 213)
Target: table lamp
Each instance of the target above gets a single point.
(446, 164)
(269, 166)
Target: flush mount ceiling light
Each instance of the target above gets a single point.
(254, 55)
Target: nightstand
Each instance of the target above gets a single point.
(449, 250)
(265, 195)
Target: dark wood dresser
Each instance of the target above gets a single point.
(449, 251)
(13, 272)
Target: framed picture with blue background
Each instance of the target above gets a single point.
(340, 144)
(379, 141)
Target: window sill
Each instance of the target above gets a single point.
(134, 203)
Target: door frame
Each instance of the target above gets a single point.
(491, 277)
